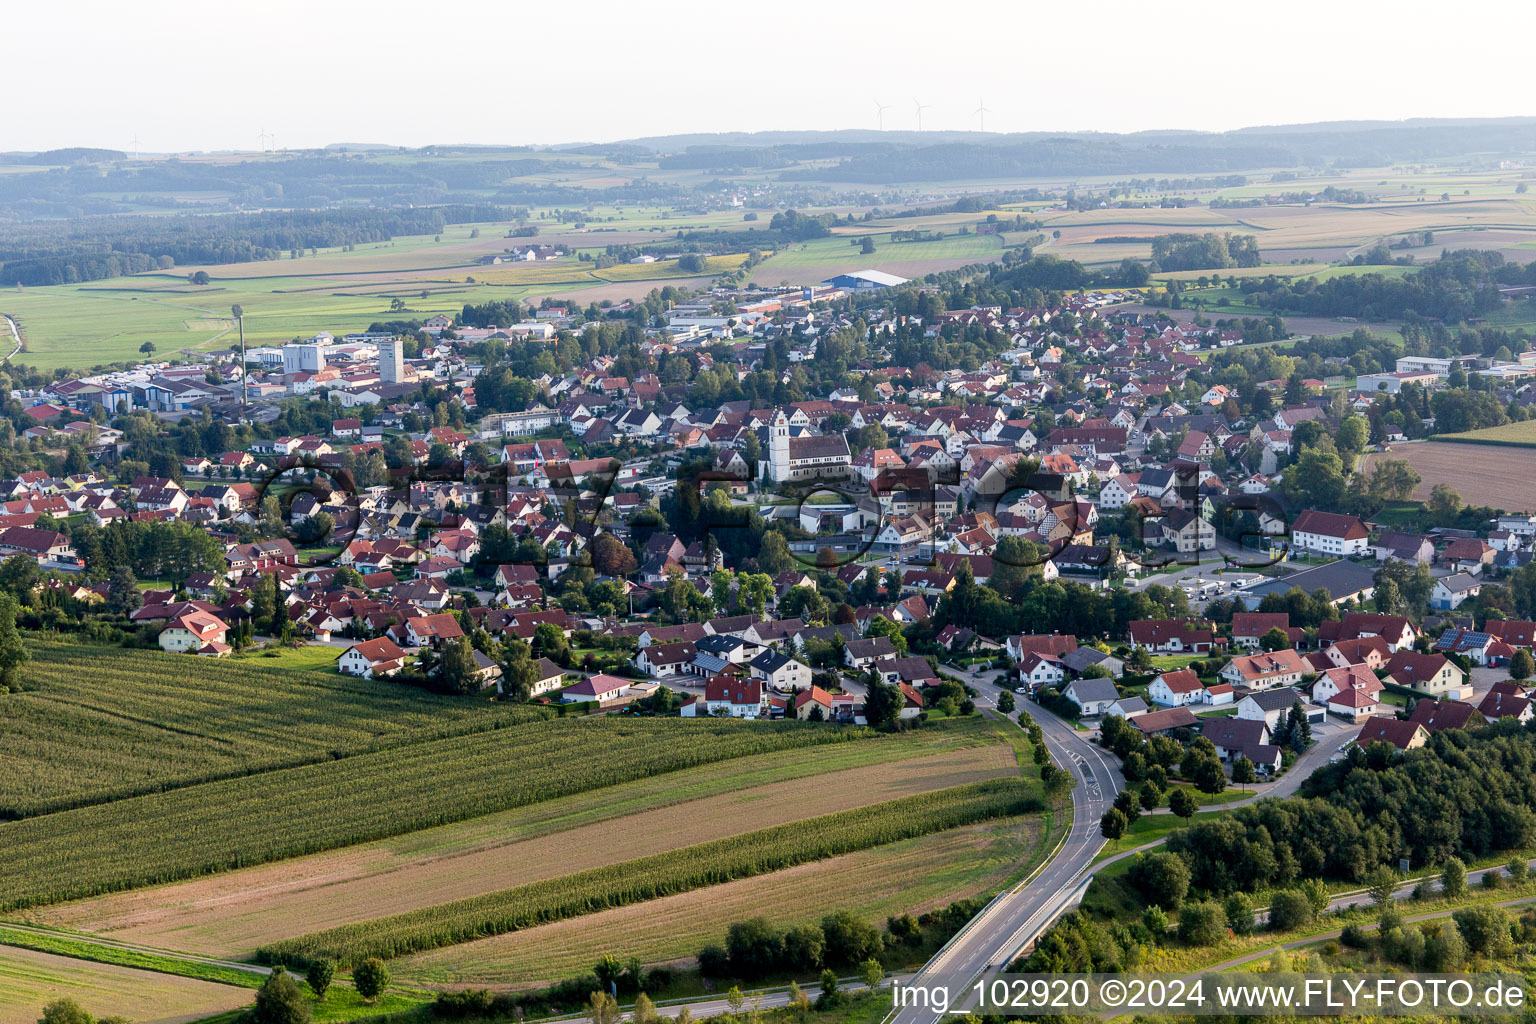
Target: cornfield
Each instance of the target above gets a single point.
(97, 724)
(648, 878)
(218, 826)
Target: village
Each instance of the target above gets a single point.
(1093, 450)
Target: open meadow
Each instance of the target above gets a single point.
(29, 979)
(1498, 476)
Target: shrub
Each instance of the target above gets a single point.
(1202, 924)
(1288, 909)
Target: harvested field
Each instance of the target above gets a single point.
(1495, 475)
(913, 875)
(232, 914)
(29, 979)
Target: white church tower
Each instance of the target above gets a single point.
(778, 448)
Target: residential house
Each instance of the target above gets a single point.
(1176, 689)
(601, 688)
(1330, 533)
(1092, 696)
(1433, 674)
(858, 654)
(1439, 715)
(1401, 734)
(1265, 669)
(1450, 592)
(198, 632)
(1268, 706)
(372, 658)
(1241, 737)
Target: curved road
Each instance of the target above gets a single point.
(996, 935)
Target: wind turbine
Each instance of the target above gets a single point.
(880, 109)
(982, 112)
(262, 139)
(920, 108)
(135, 145)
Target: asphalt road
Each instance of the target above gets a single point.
(998, 933)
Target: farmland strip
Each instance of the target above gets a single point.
(664, 874)
(234, 823)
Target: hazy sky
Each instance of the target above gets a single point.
(182, 76)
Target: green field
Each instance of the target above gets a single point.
(97, 723)
(30, 979)
(1521, 435)
(677, 871)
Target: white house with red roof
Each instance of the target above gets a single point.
(1330, 533)
(601, 688)
(1176, 689)
(372, 658)
(196, 631)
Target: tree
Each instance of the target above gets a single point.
(123, 593)
(1242, 771)
(611, 557)
(1485, 928)
(1209, 776)
(13, 654)
(804, 947)
(1301, 729)
(602, 1008)
(1352, 435)
(1113, 824)
(1289, 909)
(457, 667)
(1381, 884)
(1182, 803)
(370, 978)
(829, 997)
(1005, 702)
(1444, 503)
(871, 973)
(1202, 924)
(1239, 911)
(754, 946)
(549, 642)
(849, 940)
(1151, 797)
(1453, 879)
(280, 1001)
(773, 554)
(1275, 640)
(882, 626)
(147, 347)
(1522, 666)
(65, 1011)
(882, 704)
(320, 974)
(644, 1011)
(1162, 878)
(518, 671)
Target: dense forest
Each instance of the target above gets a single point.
(91, 249)
(1459, 286)
(1204, 252)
